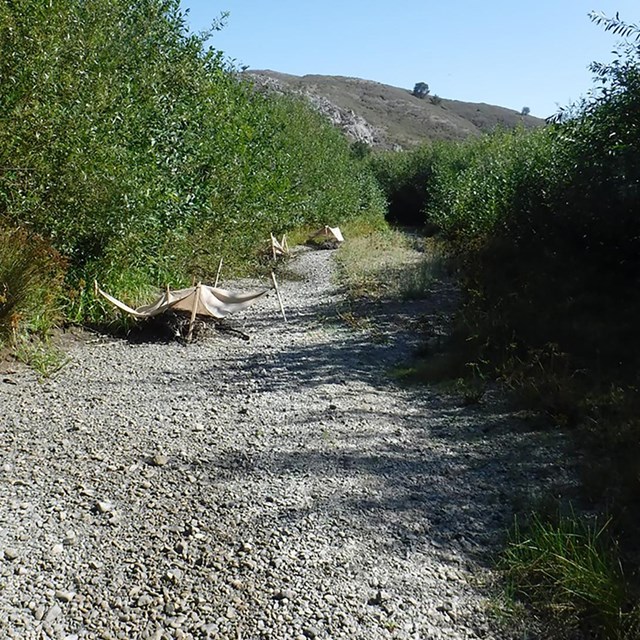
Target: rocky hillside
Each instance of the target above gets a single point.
(391, 117)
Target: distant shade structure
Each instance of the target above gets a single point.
(332, 233)
(279, 247)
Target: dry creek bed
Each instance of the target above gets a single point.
(282, 487)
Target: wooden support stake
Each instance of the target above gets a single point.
(218, 274)
(194, 311)
(275, 286)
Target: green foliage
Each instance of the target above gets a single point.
(567, 570)
(31, 275)
(40, 355)
(479, 188)
(549, 236)
(547, 233)
(143, 158)
(408, 178)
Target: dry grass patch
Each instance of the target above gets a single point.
(389, 264)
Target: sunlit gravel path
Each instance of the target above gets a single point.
(282, 487)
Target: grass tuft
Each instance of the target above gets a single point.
(31, 275)
(568, 571)
(389, 264)
(40, 355)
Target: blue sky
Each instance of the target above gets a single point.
(511, 53)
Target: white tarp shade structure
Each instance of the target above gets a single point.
(333, 233)
(279, 248)
(198, 300)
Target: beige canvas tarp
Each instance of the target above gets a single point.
(198, 300)
(279, 248)
(333, 233)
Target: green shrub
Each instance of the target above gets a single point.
(411, 180)
(142, 156)
(31, 274)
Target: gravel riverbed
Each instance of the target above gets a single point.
(282, 487)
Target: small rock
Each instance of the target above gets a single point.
(53, 613)
(160, 460)
(379, 598)
(284, 594)
(57, 549)
(231, 613)
(104, 507)
(145, 600)
(11, 554)
(38, 613)
(64, 596)
(70, 538)
(445, 607)
(174, 574)
(310, 632)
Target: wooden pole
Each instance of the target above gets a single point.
(218, 274)
(275, 286)
(194, 311)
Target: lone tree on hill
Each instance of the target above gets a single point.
(525, 111)
(421, 90)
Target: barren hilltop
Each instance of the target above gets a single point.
(392, 117)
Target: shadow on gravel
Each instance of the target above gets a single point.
(409, 470)
(447, 483)
(350, 356)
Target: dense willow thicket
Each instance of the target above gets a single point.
(545, 226)
(138, 155)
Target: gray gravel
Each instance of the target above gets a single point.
(282, 487)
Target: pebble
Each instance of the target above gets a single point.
(104, 506)
(70, 537)
(10, 553)
(160, 460)
(52, 614)
(64, 596)
(144, 600)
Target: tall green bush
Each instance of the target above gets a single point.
(31, 279)
(141, 155)
(413, 180)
